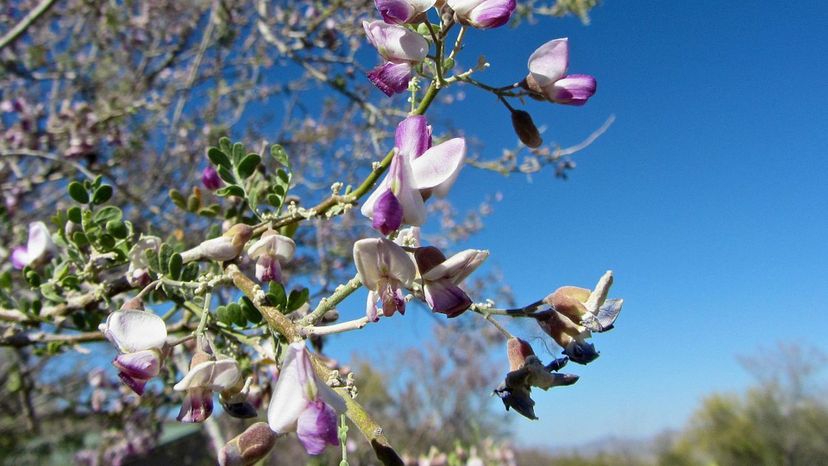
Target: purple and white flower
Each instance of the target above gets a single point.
(206, 375)
(442, 276)
(140, 337)
(483, 14)
(270, 251)
(304, 404)
(417, 171)
(403, 11)
(37, 248)
(385, 269)
(400, 48)
(547, 75)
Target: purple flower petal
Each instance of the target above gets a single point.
(574, 89)
(413, 136)
(483, 14)
(392, 298)
(316, 427)
(446, 297)
(139, 365)
(210, 178)
(197, 406)
(388, 213)
(492, 14)
(391, 78)
(268, 269)
(136, 384)
(20, 257)
(394, 11)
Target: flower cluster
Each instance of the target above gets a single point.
(394, 267)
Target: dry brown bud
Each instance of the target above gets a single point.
(525, 129)
(248, 447)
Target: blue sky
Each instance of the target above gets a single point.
(706, 197)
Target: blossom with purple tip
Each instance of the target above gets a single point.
(303, 403)
(547, 75)
(442, 276)
(416, 171)
(140, 337)
(403, 11)
(269, 252)
(400, 48)
(210, 178)
(385, 269)
(483, 14)
(206, 375)
(38, 247)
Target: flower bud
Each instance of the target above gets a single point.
(248, 447)
(525, 129)
(483, 14)
(224, 248)
(518, 350)
(210, 178)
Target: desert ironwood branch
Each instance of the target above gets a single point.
(20, 340)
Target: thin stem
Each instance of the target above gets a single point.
(49, 156)
(458, 43)
(428, 98)
(343, 439)
(24, 23)
(151, 287)
(204, 313)
(503, 100)
(525, 311)
(355, 324)
(438, 59)
(326, 304)
(498, 326)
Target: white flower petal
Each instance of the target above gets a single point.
(457, 267)
(291, 393)
(438, 165)
(40, 241)
(213, 375)
(133, 331)
(549, 62)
